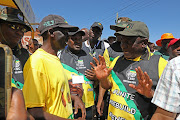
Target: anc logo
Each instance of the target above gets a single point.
(65, 21)
(99, 24)
(49, 23)
(130, 74)
(130, 25)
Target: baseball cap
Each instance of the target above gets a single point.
(122, 22)
(97, 24)
(173, 41)
(53, 21)
(135, 28)
(165, 36)
(78, 31)
(13, 15)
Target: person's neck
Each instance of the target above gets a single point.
(93, 43)
(74, 51)
(48, 48)
(163, 51)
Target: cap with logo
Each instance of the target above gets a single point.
(121, 23)
(135, 28)
(165, 36)
(97, 24)
(78, 31)
(173, 41)
(53, 21)
(13, 15)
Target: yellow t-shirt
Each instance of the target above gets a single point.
(46, 85)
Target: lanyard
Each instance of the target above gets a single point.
(92, 53)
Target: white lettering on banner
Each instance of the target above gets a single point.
(90, 89)
(124, 94)
(122, 107)
(113, 117)
(18, 72)
(127, 81)
(89, 82)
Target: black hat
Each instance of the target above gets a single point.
(53, 21)
(78, 31)
(13, 15)
(97, 24)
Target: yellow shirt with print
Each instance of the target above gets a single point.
(46, 85)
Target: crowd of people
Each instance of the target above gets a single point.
(76, 75)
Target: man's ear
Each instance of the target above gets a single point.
(51, 32)
(145, 43)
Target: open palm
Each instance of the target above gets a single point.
(101, 71)
(145, 84)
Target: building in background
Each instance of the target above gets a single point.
(27, 37)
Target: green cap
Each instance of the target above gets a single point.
(121, 23)
(13, 15)
(135, 28)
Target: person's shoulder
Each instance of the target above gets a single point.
(37, 56)
(175, 62)
(157, 53)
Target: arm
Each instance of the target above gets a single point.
(38, 113)
(102, 72)
(17, 109)
(100, 105)
(78, 104)
(162, 114)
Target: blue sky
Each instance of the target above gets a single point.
(161, 16)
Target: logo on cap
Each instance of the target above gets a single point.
(99, 24)
(130, 25)
(65, 21)
(49, 23)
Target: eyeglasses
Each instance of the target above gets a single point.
(17, 27)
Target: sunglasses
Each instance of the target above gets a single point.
(64, 31)
(17, 27)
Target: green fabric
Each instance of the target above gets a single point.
(111, 59)
(129, 102)
(17, 83)
(164, 56)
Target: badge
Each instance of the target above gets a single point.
(77, 79)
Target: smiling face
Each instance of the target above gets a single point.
(11, 33)
(75, 42)
(132, 47)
